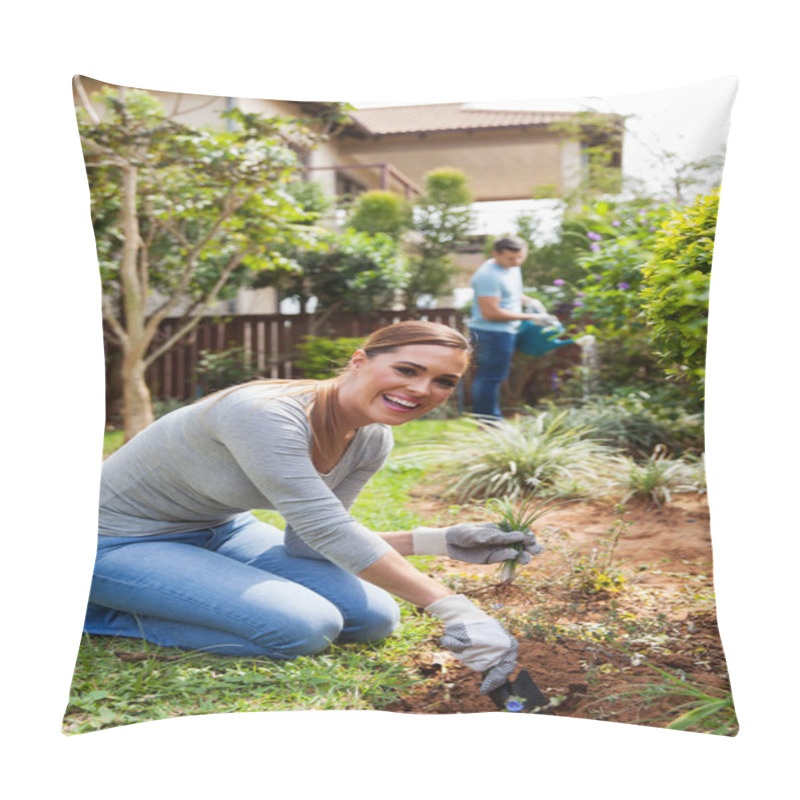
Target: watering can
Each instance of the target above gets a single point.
(536, 340)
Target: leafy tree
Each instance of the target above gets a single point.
(349, 271)
(441, 221)
(675, 289)
(182, 218)
(428, 232)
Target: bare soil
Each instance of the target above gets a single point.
(587, 648)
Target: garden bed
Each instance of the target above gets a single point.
(630, 644)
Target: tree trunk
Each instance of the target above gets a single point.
(137, 403)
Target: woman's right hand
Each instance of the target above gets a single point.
(478, 641)
(476, 543)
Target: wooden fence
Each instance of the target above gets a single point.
(269, 342)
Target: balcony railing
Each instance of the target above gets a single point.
(387, 173)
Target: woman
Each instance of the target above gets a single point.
(182, 562)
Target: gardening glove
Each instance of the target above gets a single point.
(474, 638)
(476, 543)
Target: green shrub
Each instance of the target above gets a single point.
(675, 290)
(218, 370)
(380, 212)
(322, 358)
(621, 241)
(637, 423)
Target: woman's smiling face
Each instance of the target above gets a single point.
(401, 385)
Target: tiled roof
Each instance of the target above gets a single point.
(446, 117)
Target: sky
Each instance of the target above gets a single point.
(53, 370)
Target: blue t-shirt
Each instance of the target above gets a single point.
(492, 280)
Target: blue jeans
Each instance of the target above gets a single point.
(233, 590)
(493, 353)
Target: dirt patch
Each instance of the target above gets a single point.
(620, 643)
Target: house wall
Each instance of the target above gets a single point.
(500, 165)
(199, 110)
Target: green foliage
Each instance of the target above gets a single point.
(555, 260)
(637, 423)
(349, 271)
(380, 211)
(322, 357)
(204, 199)
(620, 239)
(218, 370)
(675, 290)
(441, 222)
(446, 187)
(311, 197)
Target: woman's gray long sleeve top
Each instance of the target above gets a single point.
(203, 464)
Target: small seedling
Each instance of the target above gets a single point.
(510, 517)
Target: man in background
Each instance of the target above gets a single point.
(497, 312)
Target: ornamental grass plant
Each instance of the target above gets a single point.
(511, 458)
(659, 477)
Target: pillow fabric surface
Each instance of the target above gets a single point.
(242, 238)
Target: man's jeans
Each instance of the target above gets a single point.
(233, 590)
(493, 353)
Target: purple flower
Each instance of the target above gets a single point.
(595, 237)
(594, 247)
(578, 303)
(598, 277)
(616, 223)
(622, 285)
(514, 705)
(580, 294)
(653, 228)
(559, 282)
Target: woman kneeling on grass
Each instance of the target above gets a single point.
(182, 562)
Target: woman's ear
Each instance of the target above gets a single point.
(358, 359)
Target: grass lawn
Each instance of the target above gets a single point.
(119, 681)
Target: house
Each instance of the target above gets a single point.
(506, 155)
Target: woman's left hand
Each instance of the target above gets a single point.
(476, 543)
